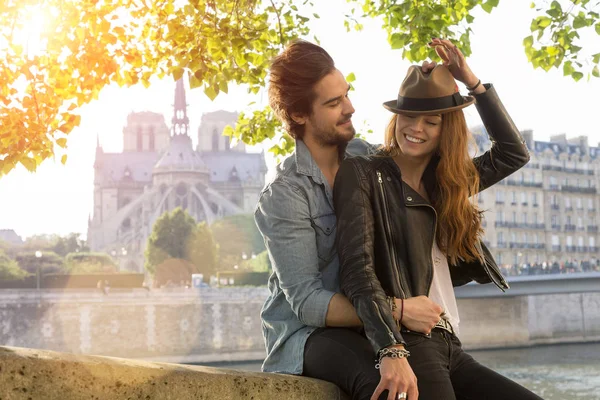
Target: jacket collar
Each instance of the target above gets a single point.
(411, 196)
(305, 164)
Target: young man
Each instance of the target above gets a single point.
(309, 327)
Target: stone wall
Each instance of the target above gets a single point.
(224, 324)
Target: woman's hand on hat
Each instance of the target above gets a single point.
(455, 61)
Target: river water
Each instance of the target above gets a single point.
(556, 372)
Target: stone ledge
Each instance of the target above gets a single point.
(42, 374)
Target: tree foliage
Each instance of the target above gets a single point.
(89, 263)
(177, 235)
(236, 236)
(10, 269)
(48, 263)
(58, 54)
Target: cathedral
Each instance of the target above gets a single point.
(159, 170)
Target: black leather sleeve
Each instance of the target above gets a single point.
(509, 151)
(355, 244)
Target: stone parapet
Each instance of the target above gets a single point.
(40, 374)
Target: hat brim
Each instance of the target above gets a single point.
(391, 106)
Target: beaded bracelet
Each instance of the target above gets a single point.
(392, 352)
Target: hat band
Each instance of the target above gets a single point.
(436, 103)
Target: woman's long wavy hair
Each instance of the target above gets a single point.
(459, 219)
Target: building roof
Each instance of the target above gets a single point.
(180, 156)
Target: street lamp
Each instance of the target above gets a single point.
(38, 255)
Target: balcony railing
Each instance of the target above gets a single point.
(582, 249)
(555, 206)
(579, 171)
(592, 228)
(575, 189)
(524, 183)
(556, 247)
(518, 225)
(568, 208)
(502, 245)
(571, 248)
(498, 202)
(556, 227)
(569, 227)
(519, 245)
(594, 249)
(552, 168)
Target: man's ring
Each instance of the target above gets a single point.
(401, 396)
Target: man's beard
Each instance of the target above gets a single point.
(335, 138)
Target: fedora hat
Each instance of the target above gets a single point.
(435, 92)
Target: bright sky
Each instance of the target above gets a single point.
(58, 199)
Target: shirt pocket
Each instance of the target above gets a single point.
(324, 226)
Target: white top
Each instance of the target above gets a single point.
(442, 291)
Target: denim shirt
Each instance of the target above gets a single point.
(296, 219)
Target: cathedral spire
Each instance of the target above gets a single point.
(180, 122)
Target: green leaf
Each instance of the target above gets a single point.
(543, 22)
(62, 142)
(598, 28)
(63, 159)
(351, 77)
(397, 41)
(596, 72)
(223, 86)
(577, 76)
(568, 68)
(596, 58)
(528, 41)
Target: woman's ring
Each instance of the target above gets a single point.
(401, 396)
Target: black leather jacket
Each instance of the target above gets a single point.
(385, 229)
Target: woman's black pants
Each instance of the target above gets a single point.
(444, 371)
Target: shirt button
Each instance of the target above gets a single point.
(409, 198)
(389, 179)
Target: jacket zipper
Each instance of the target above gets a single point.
(389, 237)
(488, 270)
(389, 331)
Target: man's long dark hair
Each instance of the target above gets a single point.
(293, 76)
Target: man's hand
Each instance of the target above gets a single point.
(420, 313)
(396, 377)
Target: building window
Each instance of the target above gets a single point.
(525, 238)
(534, 198)
(500, 237)
(568, 220)
(590, 204)
(580, 241)
(514, 217)
(535, 218)
(524, 217)
(500, 216)
(514, 197)
(140, 139)
(592, 241)
(524, 198)
(553, 181)
(513, 237)
(555, 220)
(579, 204)
(500, 196)
(555, 241)
(567, 202)
(535, 238)
(569, 241)
(580, 222)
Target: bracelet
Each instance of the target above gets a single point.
(470, 89)
(392, 352)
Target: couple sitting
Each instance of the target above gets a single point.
(367, 242)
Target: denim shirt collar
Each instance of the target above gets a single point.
(305, 164)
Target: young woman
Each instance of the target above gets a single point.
(407, 228)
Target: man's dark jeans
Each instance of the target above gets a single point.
(444, 371)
